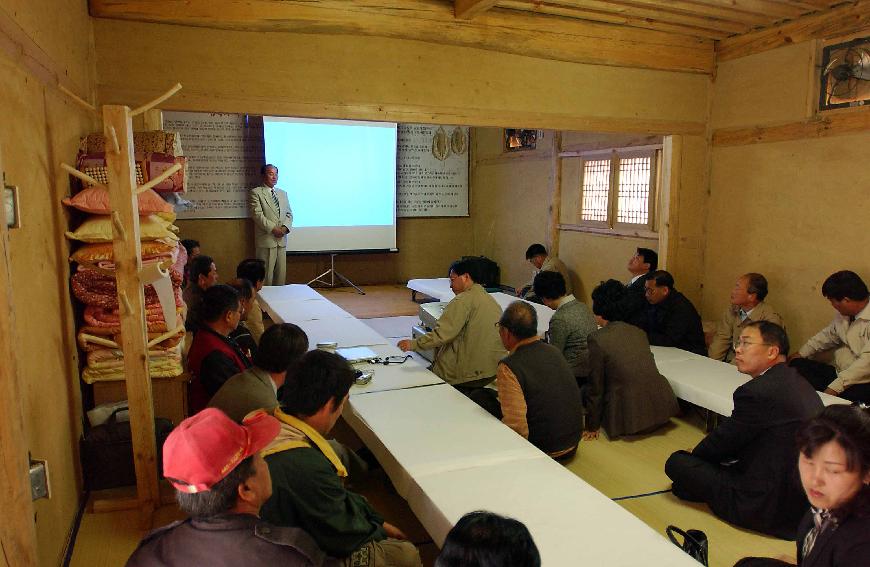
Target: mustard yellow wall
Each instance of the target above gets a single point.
(795, 211)
(40, 128)
(511, 200)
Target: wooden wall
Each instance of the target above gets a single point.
(794, 210)
(49, 41)
(344, 76)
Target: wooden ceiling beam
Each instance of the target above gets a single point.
(467, 9)
(433, 21)
(773, 10)
(837, 22)
(659, 14)
(595, 16)
(708, 10)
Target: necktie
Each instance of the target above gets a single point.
(275, 199)
(743, 315)
(821, 519)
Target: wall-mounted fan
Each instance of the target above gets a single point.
(846, 74)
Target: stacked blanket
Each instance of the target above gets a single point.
(93, 281)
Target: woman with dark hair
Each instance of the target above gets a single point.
(834, 465)
(625, 394)
(484, 539)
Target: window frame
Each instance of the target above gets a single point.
(616, 155)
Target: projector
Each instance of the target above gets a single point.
(431, 312)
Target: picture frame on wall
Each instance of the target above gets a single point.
(10, 201)
(517, 139)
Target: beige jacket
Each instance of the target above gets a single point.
(852, 357)
(554, 264)
(254, 319)
(728, 330)
(266, 216)
(466, 340)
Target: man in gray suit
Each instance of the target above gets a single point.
(273, 219)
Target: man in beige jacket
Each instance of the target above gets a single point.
(537, 256)
(273, 220)
(466, 340)
(747, 305)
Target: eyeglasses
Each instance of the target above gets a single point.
(743, 343)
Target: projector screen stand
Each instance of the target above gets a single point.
(333, 273)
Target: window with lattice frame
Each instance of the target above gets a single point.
(618, 188)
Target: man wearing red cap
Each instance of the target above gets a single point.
(222, 481)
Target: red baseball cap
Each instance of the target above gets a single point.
(206, 447)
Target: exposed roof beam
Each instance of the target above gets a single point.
(560, 39)
(838, 22)
(467, 9)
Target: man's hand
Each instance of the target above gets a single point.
(590, 435)
(832, 392)
(278, 231)
(404, 344)
(393, 531)
(794, 356)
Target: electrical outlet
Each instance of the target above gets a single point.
(39, 480)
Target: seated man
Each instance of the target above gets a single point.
(253, 270)
(257, 387)
(202, 274)
(538, 393)
(747, 305)
(467, 345)
(849, 333)
(571, 323)
(242, 335)
(221, 482)
(633, 304)
(307, 475)
(626, 393)
(214, 357)
(671, 319)
(537, 256)
(746, 468)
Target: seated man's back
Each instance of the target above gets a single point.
(538, 393)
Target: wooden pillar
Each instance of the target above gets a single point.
(118, 129)
(18, 528)
(672, 159)
(555, 197)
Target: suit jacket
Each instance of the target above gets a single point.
(633, 305)
(266, 216)
(728, 330)
(848, 545)
(626, 393)
(764, 490)
(244, 393)
(675, 322)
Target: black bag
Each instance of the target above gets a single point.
(486, 272)
(107, 452)
(694, 543)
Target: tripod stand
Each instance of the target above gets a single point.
(333, 273)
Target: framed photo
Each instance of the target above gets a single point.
(516, 139)
(10, 200)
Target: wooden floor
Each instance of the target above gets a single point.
(627, 469)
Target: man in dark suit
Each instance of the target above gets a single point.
(745, 470)
(671, 319)
(632, 306)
